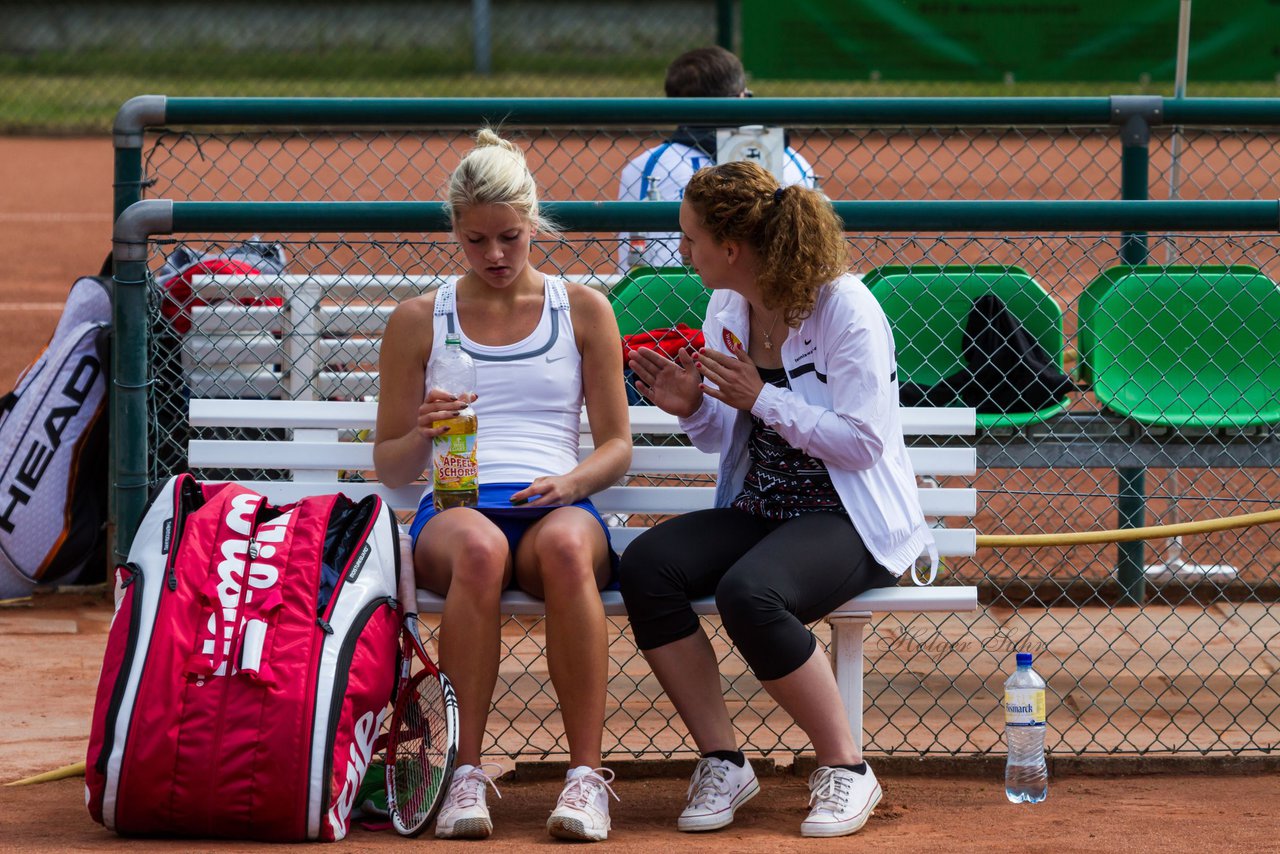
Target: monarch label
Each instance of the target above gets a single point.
(454, 460)
(166, 537)
(1024, 707)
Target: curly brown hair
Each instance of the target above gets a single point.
(794, 231)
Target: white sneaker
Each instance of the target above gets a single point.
(716, 790)
(840, 801)
(582, 812)
(464, 814)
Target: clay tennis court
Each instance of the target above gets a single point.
(55, 225)
(50, 655)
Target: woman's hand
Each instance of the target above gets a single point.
(547, 492)
(672, 386)
(439, 406)
(737, 379)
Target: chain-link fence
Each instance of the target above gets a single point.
(848, 163)
(854, 149)
(1167, 647)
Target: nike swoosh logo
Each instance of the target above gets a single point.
(808, 341)
(551, 358)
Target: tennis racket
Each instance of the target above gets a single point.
(423, 742)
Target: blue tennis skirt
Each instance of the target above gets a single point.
(495, 504)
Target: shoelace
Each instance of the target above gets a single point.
(709, 780)
(465, 790)
(580, 792)
(829, 791)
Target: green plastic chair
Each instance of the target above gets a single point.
(1187, 347)
(928, 308)
(658, 298)
(1106, 281)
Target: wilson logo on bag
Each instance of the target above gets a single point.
(248, 667)
(53, 452)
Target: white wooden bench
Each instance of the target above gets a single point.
(324, 442)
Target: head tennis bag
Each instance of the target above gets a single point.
(248, 667)
(53, 452)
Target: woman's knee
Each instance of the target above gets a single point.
(477, 557)
(568, 554)
(746, 603)
(646, 571)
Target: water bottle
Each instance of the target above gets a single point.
(1026, 778)
(455, 478)
(639, 242)
(653, 192)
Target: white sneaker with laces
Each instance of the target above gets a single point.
(840, 801)
(716, 790)
(582, 812)
(464, 814)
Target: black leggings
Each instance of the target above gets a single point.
(770, 579)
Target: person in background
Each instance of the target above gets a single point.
(542, 347)
(816, 499)
(662, 172)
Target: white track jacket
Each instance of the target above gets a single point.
(842, 408)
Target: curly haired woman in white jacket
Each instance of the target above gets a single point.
(816, 498)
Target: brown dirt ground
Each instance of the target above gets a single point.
(50, 655)
(55, 225)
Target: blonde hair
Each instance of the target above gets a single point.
(495, 173)
(794, 231)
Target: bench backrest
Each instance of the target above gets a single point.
(331, 449)
(319, 342)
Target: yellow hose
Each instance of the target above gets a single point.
(76, 770)
(1125, 535)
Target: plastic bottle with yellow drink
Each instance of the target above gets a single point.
(455, 472)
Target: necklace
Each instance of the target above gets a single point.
(768, 333)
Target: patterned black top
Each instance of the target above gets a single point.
(783, 482)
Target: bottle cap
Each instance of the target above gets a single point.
(452, 338)
(1024, 659)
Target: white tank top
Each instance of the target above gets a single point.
(529, 394)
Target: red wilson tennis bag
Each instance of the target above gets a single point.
(248, 667)
(53, 452)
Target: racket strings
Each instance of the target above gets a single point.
(420, 745)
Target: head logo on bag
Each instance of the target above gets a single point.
(53, 443)
(21, 482)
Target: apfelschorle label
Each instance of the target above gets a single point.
(454, 462)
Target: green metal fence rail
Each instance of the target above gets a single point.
(1137, 663)
(1133, 117)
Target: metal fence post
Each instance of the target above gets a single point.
(726, 23)
(132, 120)
(129, 475)
(482, 36)
(1135, 115)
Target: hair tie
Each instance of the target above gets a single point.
(777, 195)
